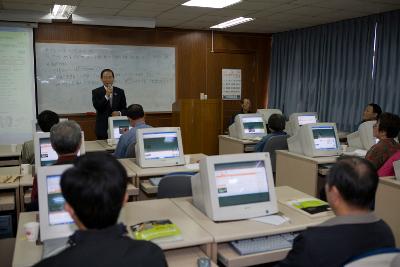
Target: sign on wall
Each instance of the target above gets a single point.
(231, 84)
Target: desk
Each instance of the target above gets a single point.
(387, 202)
(106, 146)
(232, 145)
(93, 146)
(10, 201)
(299, 171)
(27, 253)
(224, 232)
(151, 172)
(9, 157)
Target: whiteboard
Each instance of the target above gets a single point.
(67, 74)
(17, 86)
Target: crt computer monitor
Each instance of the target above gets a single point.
(159, 147)
(248, 126)
(44, 152)
(235, 187)
(266, 113)
(315, 140)
(364, 137)
(296, 120)
(55, 222)
(117, 126)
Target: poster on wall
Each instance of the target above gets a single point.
(231, 84)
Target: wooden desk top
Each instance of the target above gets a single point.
(146, 172)
(5, 151)
(141, 211)
(27, 253)
(106, 146)
(317, 160)
(14, 170)
(390, 181)
(235, 230)
(242, 141)
(93, 146)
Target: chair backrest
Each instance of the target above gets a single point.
(379, 257)
(278, 142)
(387, 168)
(130, 151)
(178, 185)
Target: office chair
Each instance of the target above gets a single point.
(130, 151)
(278, 142)
(175, 185)
(378, 257)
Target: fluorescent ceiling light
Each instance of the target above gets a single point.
(62, 11)
(211, 3)
(231, 23)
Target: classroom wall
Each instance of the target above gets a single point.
(197, 69)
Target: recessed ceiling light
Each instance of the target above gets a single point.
(211, 3)
(231, 23)
(62, 11)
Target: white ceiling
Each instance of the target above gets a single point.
(270, 15)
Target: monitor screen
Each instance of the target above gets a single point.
(306, 119)
(324, 137)
(57, 214)
(253, 125)
(120, 127)
(161, 145)
(240, 183)
(47, 154)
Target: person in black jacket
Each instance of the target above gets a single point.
(95, 191)
(108, 101)
(350, 189)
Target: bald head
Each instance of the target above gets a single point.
(356, 180)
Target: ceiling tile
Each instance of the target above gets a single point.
(168, 22)
(23, 6)
(274, 10)
(105, 4)
(138, 13)
(148, 6)
(311, 11)
(183, 12)
(96, 11)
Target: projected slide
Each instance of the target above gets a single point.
(324, 138)
(241, 183)
(307, 119)
(47, 154)
(253, 125)
(160, 145)
(55, 200)
(120, 127)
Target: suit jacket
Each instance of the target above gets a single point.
(107, 247)
(104, 110)
(338, 240)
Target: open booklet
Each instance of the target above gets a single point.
(312, 207)
(158, 231)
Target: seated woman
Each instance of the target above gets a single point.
(276, 124)
(386, 129)
(371, 112)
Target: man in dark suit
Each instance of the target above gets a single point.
(108, 101)
(350, 190)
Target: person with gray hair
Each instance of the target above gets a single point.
(66, 140)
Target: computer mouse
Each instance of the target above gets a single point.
(203, 262)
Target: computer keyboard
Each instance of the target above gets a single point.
(155, 180)
(263, 244)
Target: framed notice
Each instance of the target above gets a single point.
(231, 84)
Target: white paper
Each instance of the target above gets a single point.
(272, 219)
(193, 166)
